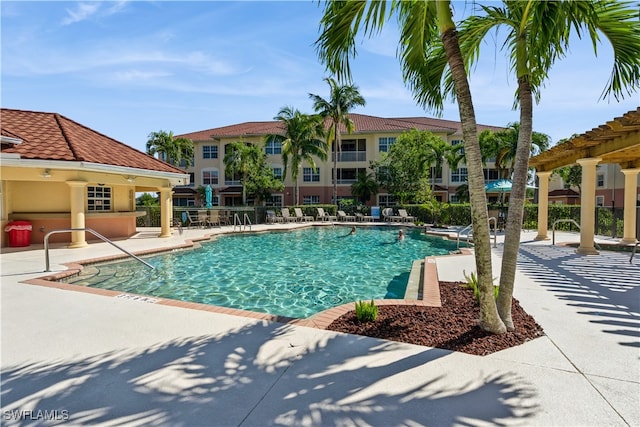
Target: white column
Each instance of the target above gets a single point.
(543, 205)
(630, 191)
(77, 200)
(588, 206)
(166, 211)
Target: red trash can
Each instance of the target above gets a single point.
(19, 233)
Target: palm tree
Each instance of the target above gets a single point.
(342, 99)
(241, 158)
(440, 152)
(504, 144)
(302, 140)
(365, 187)
(425, 27)
(172, 150)
(538, 33)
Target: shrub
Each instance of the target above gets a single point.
(366, 311)
(472, 283)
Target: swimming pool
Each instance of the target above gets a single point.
(295, 273)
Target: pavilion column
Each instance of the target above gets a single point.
(543, 205)
(588, 206)
(166, 211)
(630, 191)
(77, 203)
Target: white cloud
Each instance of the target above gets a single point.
(81, 12)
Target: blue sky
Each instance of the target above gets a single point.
(128, 68)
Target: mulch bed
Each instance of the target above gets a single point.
(452, 326)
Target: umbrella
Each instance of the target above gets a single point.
(500, 186)
(208, 192)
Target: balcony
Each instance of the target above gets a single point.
(351, 156)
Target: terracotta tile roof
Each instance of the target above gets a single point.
(363, 124)
(51, 136)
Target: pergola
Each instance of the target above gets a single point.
(617, 141)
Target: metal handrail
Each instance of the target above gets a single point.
(470, 227)
(247, 220)
(572, 221)
(95, 233)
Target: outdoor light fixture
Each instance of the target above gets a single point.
(131, 179)
(46, 173)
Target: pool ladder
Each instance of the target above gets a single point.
(95, 233)
(240, 224)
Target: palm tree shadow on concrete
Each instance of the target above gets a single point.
(606, 286)
(264, 374)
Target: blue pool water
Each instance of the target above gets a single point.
(294, 274)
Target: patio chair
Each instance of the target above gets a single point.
(344, 217)
(190, 220)
(324, 216)
(286, 216)
(214, 219)
(404, 216)
(272, 218)
(362, 217)
(301, 216)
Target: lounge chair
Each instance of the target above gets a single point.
(387, 214)
(323, 216)
(301, 216)
(404, 216)
(344, 217)
(286, 216)
(362, 217)
(203, 218)
(272, 218)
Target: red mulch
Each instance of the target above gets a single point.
(452, 326)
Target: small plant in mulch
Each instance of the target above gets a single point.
(472, 283)
(366, 311)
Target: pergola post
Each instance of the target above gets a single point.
(543, 205)
(588, 206)
(630, 191)
(166, 211)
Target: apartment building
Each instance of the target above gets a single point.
(372, 137)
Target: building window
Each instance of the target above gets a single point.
(459, 175)
(273, 146)
(459, 144)
(386, 200)
(599, 200)
(491, 174)
(209, 151)
(310, 200)
(385, 143)
(600, 180)
(277, 173)
(349, 175)
(98, 199)
(310, 175)
(275, 201)
(192, 179)
(210, 177)
(453, 198)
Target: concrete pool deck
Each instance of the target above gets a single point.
(89, 359)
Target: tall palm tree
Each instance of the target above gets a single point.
(425, 26)
(302, 140)
(342, 99)
(440, 152)
(172, 150)
(538, 33)
(241, 158)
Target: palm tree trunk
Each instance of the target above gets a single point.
(516, 204)
(489, 318)
(336, 144)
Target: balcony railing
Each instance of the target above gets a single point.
(230, 182)
(351, 156)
